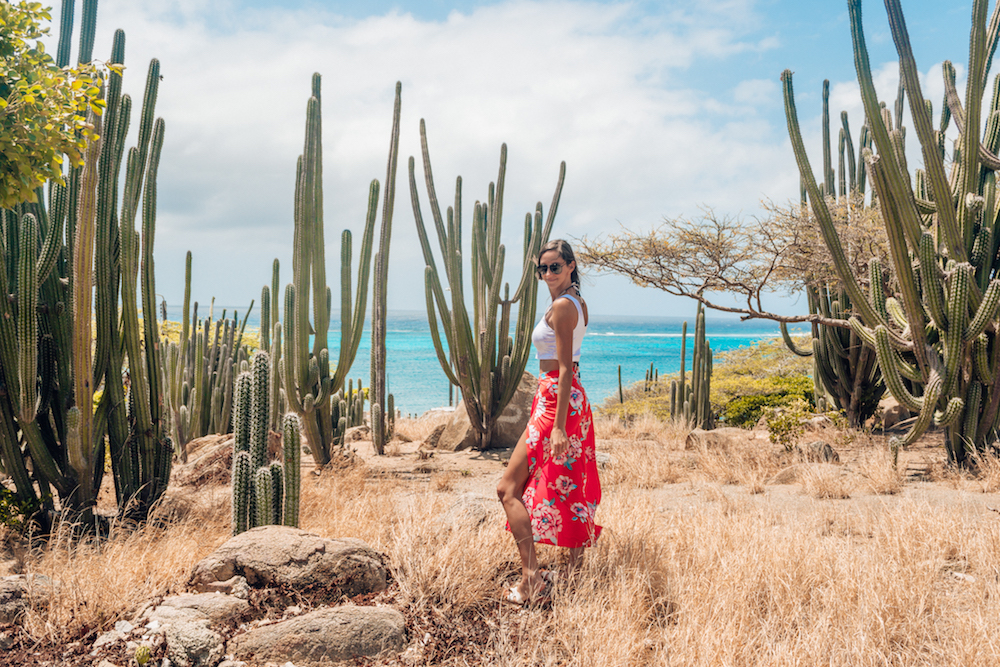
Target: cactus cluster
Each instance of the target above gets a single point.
(264, 492)
(199, 370)
(936, 336)
(844, 368)
(308, 381)
(71, 264)
(482, 357)
(691, 401)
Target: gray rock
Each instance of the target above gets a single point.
(459, 433)
(819, 422)
(192, 643)
(469, 509)
(818, 452)
(214, 607)
(604, 459)
(323, 636)
(893, 414)
(358, 433)
(281, 555)
(20, 591)
(432, 440)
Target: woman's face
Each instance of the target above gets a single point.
(557, 282)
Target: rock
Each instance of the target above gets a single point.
(185, 622)
(604, 459)
(285, 556)
(192, 643)
(323, 636)
(236, 586)
(210, 460)
(214, 607)
(20, 591)
(893, 414)
(459, 433)
(431, 441)
(358, 433)
(818, 423)
(469, 510)
(818, 452)
(722, 438)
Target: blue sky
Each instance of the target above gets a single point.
(657, 107)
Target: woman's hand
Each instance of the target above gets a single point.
(559, 442)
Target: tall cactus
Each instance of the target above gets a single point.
(936, 339)
(482, 358)
(379, 292)
(844, 368)
(51, 256)
(307, 379)
(692, 402)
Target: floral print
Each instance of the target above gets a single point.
(562, 492)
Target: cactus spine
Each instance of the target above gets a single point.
(483, 359)
(940, 224)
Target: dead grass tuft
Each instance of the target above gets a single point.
(827, 482)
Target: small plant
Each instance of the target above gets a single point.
(15, 513)
(143, 654)
(786, 423)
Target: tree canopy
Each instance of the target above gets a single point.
(43, 107)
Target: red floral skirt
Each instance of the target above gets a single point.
(562, 493)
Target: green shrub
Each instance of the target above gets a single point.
(745, 411)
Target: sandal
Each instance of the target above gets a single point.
(544, 596)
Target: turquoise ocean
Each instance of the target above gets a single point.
(415, 378)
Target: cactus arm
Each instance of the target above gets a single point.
(820, 209)
(888, 362)
(432, 197)
(921, 121)
(27, 320)
(292, 467)
(790, 344)
(430, 277)
(932, 393)
(986, 312)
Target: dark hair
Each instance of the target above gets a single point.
(566, 252)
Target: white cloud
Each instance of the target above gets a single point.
(601, 86)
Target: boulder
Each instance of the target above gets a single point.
(818, 423)
(20, 591)
(818, 451)
(893, 413)
(214, 607)
(358, 433)
(432, 440)
(192, 643)
(722, 438)
(286, 556)
(323, 636)
(459, 433)
(469, 510)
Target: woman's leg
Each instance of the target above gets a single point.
(509, 490)
(575, 559)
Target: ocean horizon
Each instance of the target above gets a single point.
(417, 382)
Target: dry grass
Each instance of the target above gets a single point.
(723, 578)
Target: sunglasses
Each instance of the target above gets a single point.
(555, 268)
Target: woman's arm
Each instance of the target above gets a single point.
(563, 321)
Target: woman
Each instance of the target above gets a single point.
(550, 489)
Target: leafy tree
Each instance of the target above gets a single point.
(43, 107)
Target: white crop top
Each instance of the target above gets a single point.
(544, 336)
